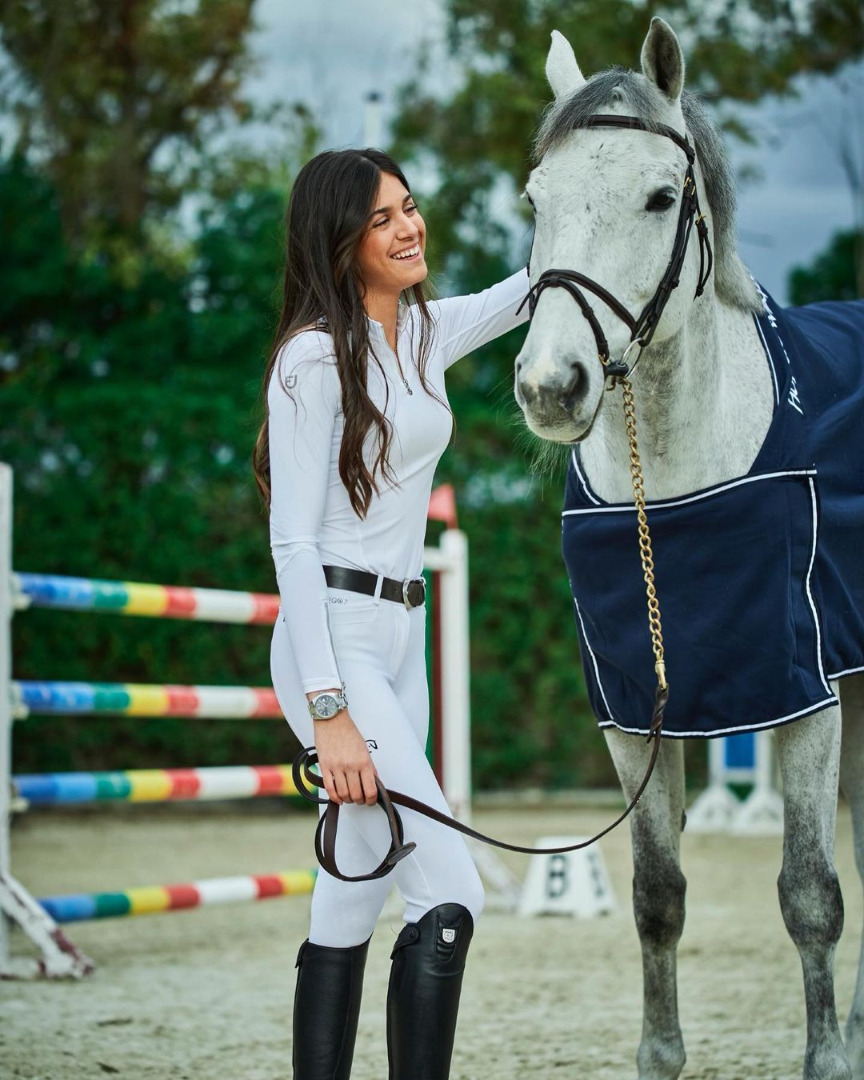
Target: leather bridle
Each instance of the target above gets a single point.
(641, 328)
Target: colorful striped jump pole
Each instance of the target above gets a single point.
(138, 699)
(134, 598)
(155, 785)
(153, 899)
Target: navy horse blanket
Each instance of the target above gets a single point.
(760, 579)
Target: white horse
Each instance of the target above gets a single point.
(606, 200)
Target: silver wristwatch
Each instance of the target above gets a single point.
(325, 706)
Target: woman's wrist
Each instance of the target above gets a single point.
(326, 704)
(336, 721)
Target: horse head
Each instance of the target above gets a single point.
(610, 201)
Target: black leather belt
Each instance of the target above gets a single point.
(411, 593)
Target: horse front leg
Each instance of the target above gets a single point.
(852, 786)
(809, 754)
(658, 894)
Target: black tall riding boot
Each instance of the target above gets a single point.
(423, 999)
(326, 1009)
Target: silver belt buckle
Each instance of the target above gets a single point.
(419, 586)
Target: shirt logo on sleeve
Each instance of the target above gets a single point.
(290, 381)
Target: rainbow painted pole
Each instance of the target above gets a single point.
(155, 785)
(137, 699)
(158, 898)
(135, 598)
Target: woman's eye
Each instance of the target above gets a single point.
(410, 209)
(661, 200)
(377, 224)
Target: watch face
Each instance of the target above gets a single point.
(326, 706)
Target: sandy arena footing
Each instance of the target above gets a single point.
(206, 994)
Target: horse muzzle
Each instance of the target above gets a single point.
(555, 405)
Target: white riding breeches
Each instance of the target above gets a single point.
(380, 649)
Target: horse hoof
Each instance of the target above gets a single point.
(828, 1064)
(660, 1061)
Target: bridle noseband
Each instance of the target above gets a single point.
(641, 329)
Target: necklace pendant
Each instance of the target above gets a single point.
(407, 387)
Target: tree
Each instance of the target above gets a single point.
(129, 413)
(116, 99)
(832, 273)
(477, 136)
(847, 138)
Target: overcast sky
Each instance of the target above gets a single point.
(332, 55)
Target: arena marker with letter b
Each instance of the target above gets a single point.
(575, 883)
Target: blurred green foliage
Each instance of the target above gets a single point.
(832, 273)
(475, 140)
(119, 101)
(129, 411)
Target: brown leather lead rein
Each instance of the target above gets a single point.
(325, 835)
(306, 781)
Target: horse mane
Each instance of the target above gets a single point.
(620, 86)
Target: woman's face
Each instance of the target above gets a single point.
(391, 255)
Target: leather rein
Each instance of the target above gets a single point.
(642, 330)
(307, 782)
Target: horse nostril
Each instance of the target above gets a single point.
(527, 392)
(553, 394)
(570, 393)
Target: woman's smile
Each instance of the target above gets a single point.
(409, 253)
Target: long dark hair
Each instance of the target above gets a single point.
(328, 215)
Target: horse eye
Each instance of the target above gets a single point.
(661, 200)
(530, 201)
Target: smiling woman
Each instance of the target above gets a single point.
(357, 420)
(391, 255)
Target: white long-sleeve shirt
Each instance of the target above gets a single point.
(312, 522)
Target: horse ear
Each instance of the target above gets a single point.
(662, 60)
(562, 71)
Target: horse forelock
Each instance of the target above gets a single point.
(613, 86)
(641, 98)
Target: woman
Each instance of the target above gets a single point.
(358, 418)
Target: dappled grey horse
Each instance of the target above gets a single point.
(749, 422)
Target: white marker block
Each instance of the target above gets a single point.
(575, 883)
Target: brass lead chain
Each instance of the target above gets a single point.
(645, 551)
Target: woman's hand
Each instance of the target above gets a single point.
(344, 760)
